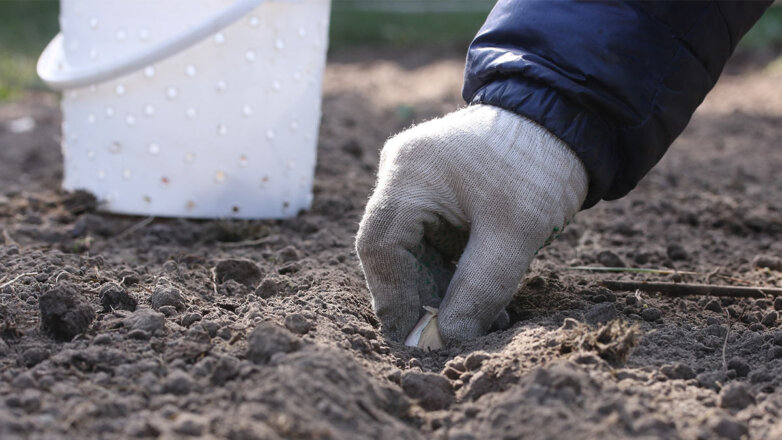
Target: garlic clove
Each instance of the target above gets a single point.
(426, 334)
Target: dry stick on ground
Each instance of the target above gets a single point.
(8, 283)
(683, 289)
(135, 227)
(268, 240)
(725, 342)
(709, 275)
(7, 238)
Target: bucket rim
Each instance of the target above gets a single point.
(58, 74)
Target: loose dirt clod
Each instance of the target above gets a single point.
(767, 262)
(430, 390)
(63, 312)
(610, 259)
(288, 254)
(146, 320)
(178, 382)
(730, 429)
(736, 396)
(612, 342)
(268, 339)
(273, 285)
(678, 371)
(740, 366)
(297, 323)
(241, 270)
(115, 297)
(601, 313)
(34, 356)
(167, 296)
(651, 314)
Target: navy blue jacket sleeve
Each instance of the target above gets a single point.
(617, 81)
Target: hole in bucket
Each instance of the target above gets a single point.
(121, 35)
(109, 111)
(279, 44)
(143, 34)
(147, 199)
(91, 118)
(101, 175)
(172, 92)
(149, 109)
(247, 110)
(243, 160)
(120, 89)
(91, 154)
(153, 148)
(249, 56)
(164, 180)
(264, 182)
(130, 120)
(126, 174)
(191, 112)
(93, 23)
(222, 129)
(190, 71)
(276, 86)
(149, 71)
(294, 125)
(234, 209)
(296, 76)
(115, 147)
(219, 176)
(302, 32)
(291, 164)
(254, 21)
(189, 157)
(270, 134)
(93, 54)
(220, 86)
(219, 38)
(190, 205)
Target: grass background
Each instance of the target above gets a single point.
(26, 26)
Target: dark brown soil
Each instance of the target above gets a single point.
(249, 329)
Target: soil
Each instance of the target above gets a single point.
(116, 327)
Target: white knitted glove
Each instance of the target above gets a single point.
(481, 186)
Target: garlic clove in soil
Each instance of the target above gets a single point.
(426, 334)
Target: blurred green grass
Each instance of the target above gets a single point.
(26, 26)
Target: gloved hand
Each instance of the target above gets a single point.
(461, 205)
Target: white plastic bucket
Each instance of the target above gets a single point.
(190, 108)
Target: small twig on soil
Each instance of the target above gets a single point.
(57, 278)
(714, 273)
(684, 289)
(8, 283)
(725, 343)
(257, 242)
(214, 280)
(7, 238)
(135, 227)
(657, 272)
